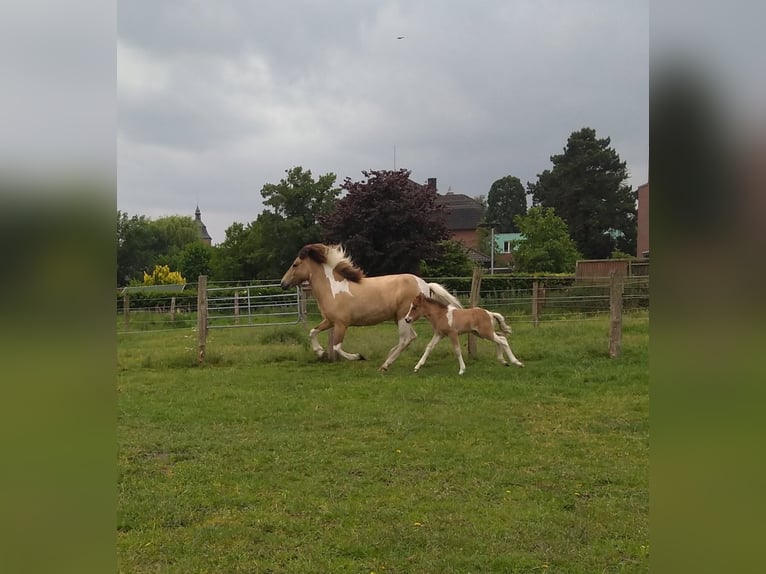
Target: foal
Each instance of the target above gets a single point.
(450, 321)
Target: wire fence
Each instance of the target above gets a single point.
(577, 301)
(260, 303)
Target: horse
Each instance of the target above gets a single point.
(448, 321)
(347, 297)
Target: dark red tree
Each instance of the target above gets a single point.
(387, 223)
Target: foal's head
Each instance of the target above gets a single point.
(416, 309)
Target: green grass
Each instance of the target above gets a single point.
(267, 460)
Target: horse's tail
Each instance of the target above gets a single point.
(440, 293)
(501, 321)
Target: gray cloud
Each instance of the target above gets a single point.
(217, 99)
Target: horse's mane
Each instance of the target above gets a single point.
(435, 302)
(334, 256)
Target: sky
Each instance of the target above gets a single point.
(216, 99)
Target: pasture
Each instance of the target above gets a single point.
(266, 460)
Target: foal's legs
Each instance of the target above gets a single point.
(456, 347)
(406, 335)
(430, 347)
(499, 353)
(503, 342)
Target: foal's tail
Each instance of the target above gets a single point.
(501, 321)
(440, 293)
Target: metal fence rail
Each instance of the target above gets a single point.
(252, 306)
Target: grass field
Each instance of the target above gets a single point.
(267, 460)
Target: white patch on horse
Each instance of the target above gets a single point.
(336, 286)
(450, 309)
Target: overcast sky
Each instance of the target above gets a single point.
(217, 99)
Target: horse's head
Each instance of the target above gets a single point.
(300, 270)
(416, 309)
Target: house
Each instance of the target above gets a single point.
(464, 214)
(204, 236)
(503, 247)
(642, 235)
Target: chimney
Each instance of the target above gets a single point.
(432, 183)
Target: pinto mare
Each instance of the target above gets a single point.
(448, 321)
(346, 297)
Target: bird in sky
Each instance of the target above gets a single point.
(399, 37)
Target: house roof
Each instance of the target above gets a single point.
(463, 212)
(477, 256)
(201, 228)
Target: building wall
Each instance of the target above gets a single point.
(642, 239)
(467, 237)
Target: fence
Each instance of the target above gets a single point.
(599, 268)
(535, 300)
(250, 305)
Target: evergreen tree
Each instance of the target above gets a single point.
(506, 200)
(587, 189)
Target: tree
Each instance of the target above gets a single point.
(546, 247)
(265, 247)
(387, 222)
(506, 200)
(143, 243)
(298, 196)
(586, 188)
(139, 247)
(297, 202)
(174, 233)
(452, 261)
(195, 260)
(232, 259)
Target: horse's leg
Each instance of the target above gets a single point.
(315, 346)
(406, 335)
(339, 333)
(499, 350)
(502, 341)
(430, 347)
(456, 347)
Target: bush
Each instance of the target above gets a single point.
(162, 275)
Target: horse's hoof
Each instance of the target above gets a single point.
(382, 369)
(362, 357)
(323, 357)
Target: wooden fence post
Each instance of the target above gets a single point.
(236, 307)
(615, 313)
(173, 309)
(202, 317)
(473, 301)
(126, 309)
(535, 303)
